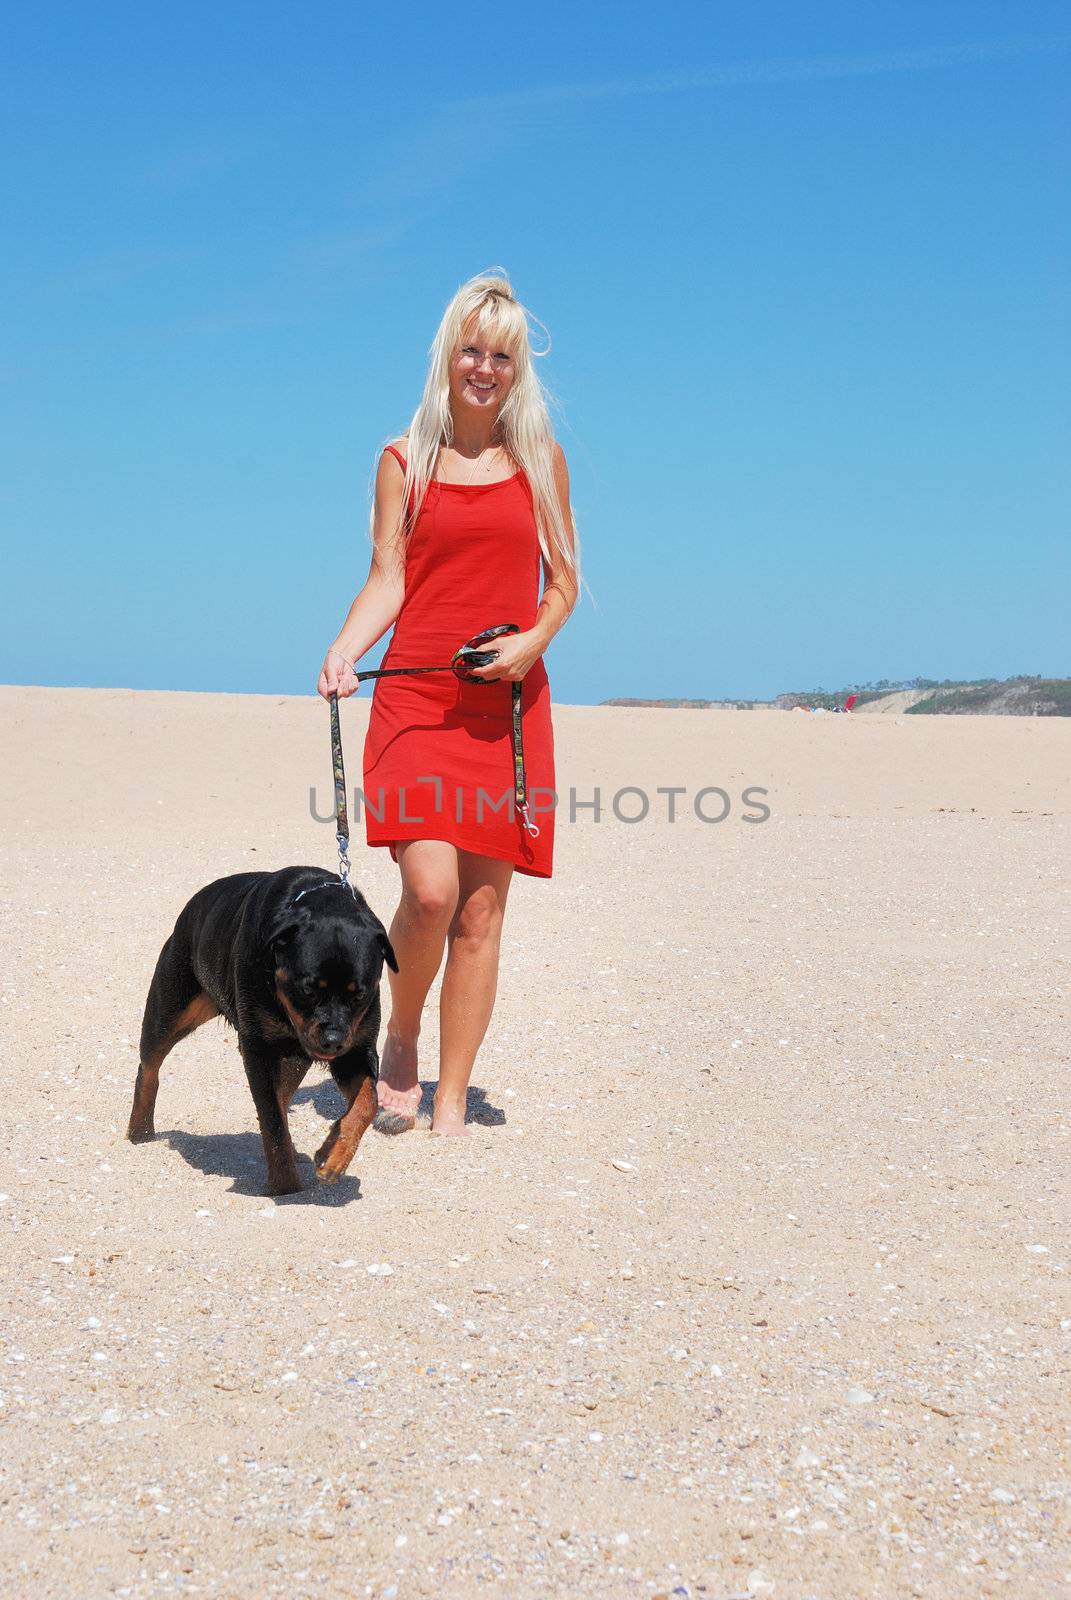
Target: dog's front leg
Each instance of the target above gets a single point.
(340, 1146)
(261, 1069)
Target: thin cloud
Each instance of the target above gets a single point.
(117, 268)
(422, 171)
(425, 170)
(210, 325)
(341, 249)
(189, 165)
(789, 69)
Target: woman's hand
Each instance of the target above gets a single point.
(517, 653)
(337, 676)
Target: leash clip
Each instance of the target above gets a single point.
(532, 827)
(344, 862)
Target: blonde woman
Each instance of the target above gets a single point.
(470, 504)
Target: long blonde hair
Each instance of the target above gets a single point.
(523, 422)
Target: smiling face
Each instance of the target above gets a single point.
(481, 371)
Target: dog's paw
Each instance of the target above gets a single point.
(284, 1186)
(141, 1133)
(333, 1157)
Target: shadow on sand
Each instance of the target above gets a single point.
(240, 1156)
(479, 1110)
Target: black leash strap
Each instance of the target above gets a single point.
(468, 656)
(342, 821)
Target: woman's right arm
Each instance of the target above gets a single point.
(379, 602)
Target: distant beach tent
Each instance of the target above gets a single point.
(817, 711)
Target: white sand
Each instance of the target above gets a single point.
(809, 1335)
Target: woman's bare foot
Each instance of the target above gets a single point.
(398, 1090)
(448, 1115)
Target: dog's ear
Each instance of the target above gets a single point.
(388, 951)
(284, 925)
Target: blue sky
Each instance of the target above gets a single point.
(804, 270)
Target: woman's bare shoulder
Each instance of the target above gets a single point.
(389, 467)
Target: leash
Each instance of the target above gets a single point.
(461, 664)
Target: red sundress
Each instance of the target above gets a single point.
(438, 753)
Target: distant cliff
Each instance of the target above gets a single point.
(1012, 697)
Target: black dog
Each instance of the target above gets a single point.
(293, 961)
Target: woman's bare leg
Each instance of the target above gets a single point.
(430, 887)
(470, 981)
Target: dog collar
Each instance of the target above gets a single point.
(328, 883)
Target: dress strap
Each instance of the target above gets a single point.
(397, 455)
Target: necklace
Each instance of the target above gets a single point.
(476, 468)
(472, 475)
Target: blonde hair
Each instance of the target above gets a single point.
(523, 423)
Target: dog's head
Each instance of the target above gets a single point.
(326, 957)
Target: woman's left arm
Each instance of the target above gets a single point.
(559, 583)
(518, 653)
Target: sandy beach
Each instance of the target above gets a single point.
(751, 1280)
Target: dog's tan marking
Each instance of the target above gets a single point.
(141, 1126)
(292, 1012)
(340, 1146)
(200, 1009)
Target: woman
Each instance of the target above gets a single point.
(470, 503)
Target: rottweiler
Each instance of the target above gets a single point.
(293, 960)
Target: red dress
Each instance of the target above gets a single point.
(438, 754)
